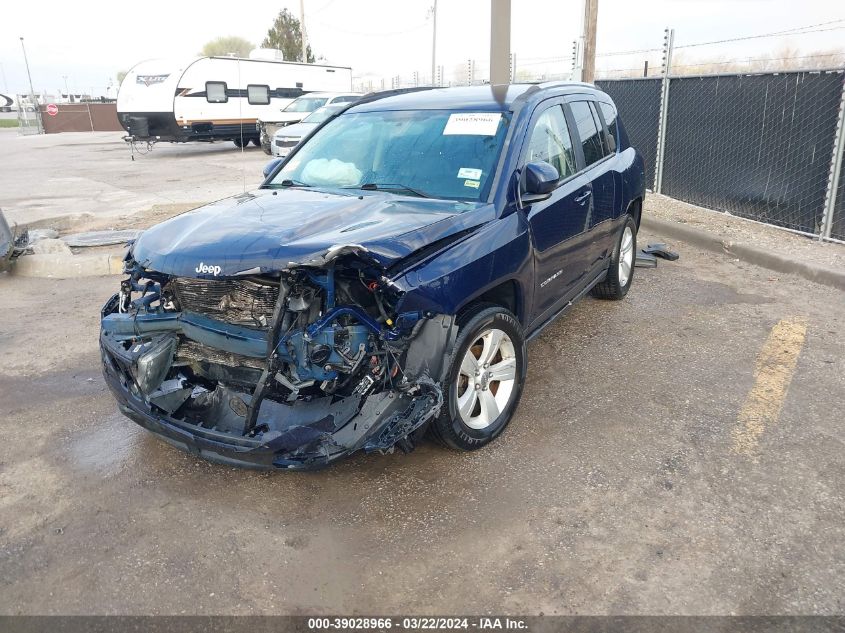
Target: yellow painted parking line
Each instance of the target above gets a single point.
(773, 373)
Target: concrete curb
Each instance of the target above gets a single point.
(750, 254)
(68, 266)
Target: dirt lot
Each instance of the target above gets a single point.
(650, 467)
(618, 487)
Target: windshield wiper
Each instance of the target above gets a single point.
(390, 186)
(287, 182)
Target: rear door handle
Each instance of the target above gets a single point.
(583, 197)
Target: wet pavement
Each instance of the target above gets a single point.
(620, 487)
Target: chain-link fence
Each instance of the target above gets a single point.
(29, 117)
(757, 146)
(638, 101)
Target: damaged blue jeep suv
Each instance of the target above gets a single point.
(382, 281)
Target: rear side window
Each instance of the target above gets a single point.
(588, 131)
(258, 95)
(550, 142)
(609, 114)
(215, 92)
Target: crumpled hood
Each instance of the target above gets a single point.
(267, 230)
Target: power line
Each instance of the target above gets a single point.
(755, 37)
(798, 30)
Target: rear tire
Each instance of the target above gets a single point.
(483, 381)
(240, 143)
(620, 274)
(256, 141)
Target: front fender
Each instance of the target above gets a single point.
(499, 251)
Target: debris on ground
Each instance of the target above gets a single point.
(42, 234)
(645, 260)
(647, 257)
(49, 247)
(661, 250)
(101, 238)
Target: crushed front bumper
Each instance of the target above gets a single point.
(302, 435)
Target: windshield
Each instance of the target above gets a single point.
(431, 153)
(305, 104)
(321, 114)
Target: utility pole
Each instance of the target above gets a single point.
(591, 14)
(67, 90)
(302, 30)
(32, 90)
(500, 42)
(433, 42)
(28, 74)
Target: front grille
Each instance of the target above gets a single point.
(281, 143)
(190, 351)
(232, 301)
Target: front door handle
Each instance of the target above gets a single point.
(583, 197)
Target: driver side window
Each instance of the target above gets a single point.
(550, 142)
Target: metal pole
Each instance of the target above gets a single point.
(433, 42)
(302, 30)
(591, 13)
(500, 41)
(835, 170)
(32, 90)
(668, 43)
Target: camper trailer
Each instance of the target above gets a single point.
(216, 98)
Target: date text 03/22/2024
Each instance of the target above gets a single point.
(418, 623)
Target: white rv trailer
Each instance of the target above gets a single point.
(215, 98)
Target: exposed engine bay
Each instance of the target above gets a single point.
(293, 368)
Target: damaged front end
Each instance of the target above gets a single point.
(290, 369)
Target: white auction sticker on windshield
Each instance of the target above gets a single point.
(473, 123)
(469, 172)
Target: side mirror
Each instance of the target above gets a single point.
(269, 167)
(539, 179)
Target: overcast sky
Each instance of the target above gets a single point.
(90, 42)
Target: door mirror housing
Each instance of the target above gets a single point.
(269, 167)
(539, 180)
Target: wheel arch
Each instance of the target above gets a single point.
(506, 294)
(635, 209)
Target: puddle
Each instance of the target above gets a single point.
(110, 448)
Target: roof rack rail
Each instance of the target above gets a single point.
(382, 94)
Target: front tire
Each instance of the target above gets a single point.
(484, 379)
(620, 274)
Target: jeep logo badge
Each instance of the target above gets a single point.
(205, 269)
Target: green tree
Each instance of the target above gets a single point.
(286, 35)
(227, 46)
(120, 76)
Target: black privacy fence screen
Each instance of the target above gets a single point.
(761, 146)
